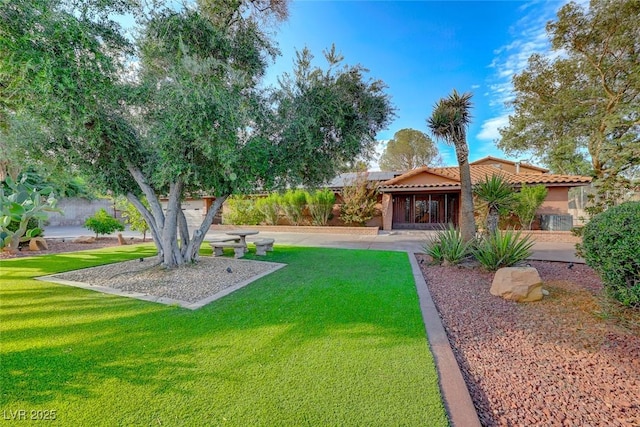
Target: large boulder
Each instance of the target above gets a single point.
(520, 284)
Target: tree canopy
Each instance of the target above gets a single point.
(409, 149)
(577, 111)
(181, 108)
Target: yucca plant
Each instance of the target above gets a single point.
(448, 247)
(502, 249)
(496, 195)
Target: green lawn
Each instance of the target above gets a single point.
(333, 339)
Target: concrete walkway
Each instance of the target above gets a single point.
(454, 390)
(409, 241)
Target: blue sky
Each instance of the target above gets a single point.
(423, 50)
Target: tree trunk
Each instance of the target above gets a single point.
(467, 219)
(166, 225)
(172, 257)
(191, 251)
(492, 220)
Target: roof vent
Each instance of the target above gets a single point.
(497, 165)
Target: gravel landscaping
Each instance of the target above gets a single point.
(572, 359)
(190, 286)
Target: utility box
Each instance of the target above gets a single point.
(556, 222)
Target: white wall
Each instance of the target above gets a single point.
(77, 210)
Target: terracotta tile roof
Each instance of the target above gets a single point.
(478, 174)
(528, 165)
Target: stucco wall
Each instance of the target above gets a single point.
(557, 201)
(77, 210)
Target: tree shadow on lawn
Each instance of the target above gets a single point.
(26, 268)
(72, 341)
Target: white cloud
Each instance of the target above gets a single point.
(489, 131)
(529, 37)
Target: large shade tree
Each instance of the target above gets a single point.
(409, 149)
(578, 111)
(449, 121)
(181, 109)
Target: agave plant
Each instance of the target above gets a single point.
(502, 249)
(448, 246)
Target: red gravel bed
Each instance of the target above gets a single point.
(562, 361)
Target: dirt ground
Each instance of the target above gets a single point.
(56, 246)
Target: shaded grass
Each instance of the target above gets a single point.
(334, 338)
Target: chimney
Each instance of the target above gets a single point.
(518, 167)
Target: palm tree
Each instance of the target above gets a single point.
(449, 122)
(496, 195)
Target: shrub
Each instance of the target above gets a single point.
(447, 246)
(132, 216)
(103, 223)
(527, 202)
(359, 201)
(502, 249)
(611, 246)
(320, 204)
(242, 211)
(292, 203)
(270, 208)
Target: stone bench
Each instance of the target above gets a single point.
(223, 239)
(219, 247)
(263, 245)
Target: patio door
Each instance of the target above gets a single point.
(424, 211)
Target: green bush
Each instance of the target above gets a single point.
(132, 216)
(292, 203)
(502, 249)
(242, 211)
(103, 223)
(359, 200)
(320, 204)
(528, 200)
(611, 246)
(270, 208)
(447, 247)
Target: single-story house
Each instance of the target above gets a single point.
(429, 197)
